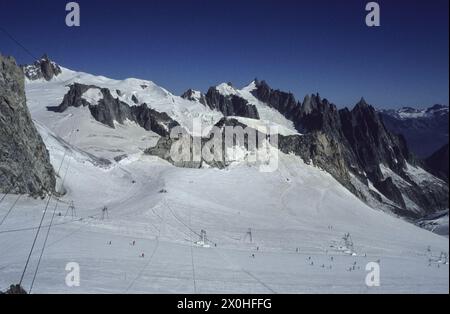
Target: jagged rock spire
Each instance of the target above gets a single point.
(362, 102)
(42, 68)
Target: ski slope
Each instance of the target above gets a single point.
(296, 216)
(283, 216)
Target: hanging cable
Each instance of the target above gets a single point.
(48, 231)
(5, 195)
(34, 241)
(40, 224)
(43, 248)
(11, 208)
(17, 42)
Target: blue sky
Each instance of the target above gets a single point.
(300, 46)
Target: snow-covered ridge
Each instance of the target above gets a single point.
(187, 109)
(226, 89)
(92, 96)
(413, 113)
(131, 91)
(184, 110)
(268, 115)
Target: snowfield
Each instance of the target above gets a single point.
(41, 93)
(279, 232)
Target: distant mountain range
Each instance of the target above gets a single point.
(361, 148)
(344, 185)
(365, 150)
(425, 130)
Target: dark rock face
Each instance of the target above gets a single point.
(231, 105)
(43, 68)
(73, 98)
(437, 163)
(109, 110)
(321, 150)
(391, 191)
(164, 146)
(284, 102)
(318, 114)
(24, 160)
(374, 145)
(191, 95)
(353, 142)
(371, 142)
(424, 130)
(152, 120)
(163, 151)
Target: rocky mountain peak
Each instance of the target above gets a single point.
(226, 99)
(110, 110)
(437, 109)
(306, 105)
(192, 95)
(42, 68)
(362, 103)
(261, 84)
(350, 143)
(364, 109)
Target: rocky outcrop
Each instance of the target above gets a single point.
(164, 147)
(355, 143)
(371, 143)
(193, 95)
(321, 150)
(163, 151)
(437, 163)
(152, 120)
(230, 105)
(109, 110)
(375, 148)
(24, 160)
(42, 68)
(283, 102)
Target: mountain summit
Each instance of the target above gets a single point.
(44, 68)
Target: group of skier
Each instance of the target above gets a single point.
(132, 243)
